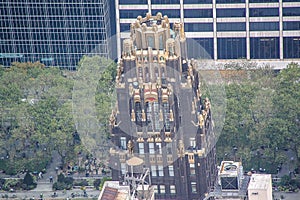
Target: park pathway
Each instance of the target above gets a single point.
(44, 185)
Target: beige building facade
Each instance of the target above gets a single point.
(260, 187)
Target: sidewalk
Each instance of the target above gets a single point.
(287, 196)
(49, 194)
(44, 187)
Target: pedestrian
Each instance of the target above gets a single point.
(51, 179)
(40, 175)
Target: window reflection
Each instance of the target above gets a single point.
(264, 26)
(263, 12)
(198, 27)
(230, 1)
(293, 11)
(171, 13)
(231, 48)
(201, 48)
(264, 48)
(231, 12)
(231, 26)
(197, 1)
(262, 1)
(291, 47)
(132, 13)
(293, 25)
(198, 13)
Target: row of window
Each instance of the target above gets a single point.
(61, 61)
(61, 56)
(52, 24)
(235, 48)
(221, 13)
(154, 148)
(46, 49)
(260, 48)
(55, 38)
(50, 10)
(161, 189)
(199, 1)
(158, 170)
(231, 26)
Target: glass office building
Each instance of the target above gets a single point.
(228, 30)
(54, 32)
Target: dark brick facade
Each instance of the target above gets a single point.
(160, 115)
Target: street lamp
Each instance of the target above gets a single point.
(234, 152)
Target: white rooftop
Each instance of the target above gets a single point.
(260, 182)
(229, 168)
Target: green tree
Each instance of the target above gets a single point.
(28, 181)
(287, 106)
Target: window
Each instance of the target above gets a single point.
(141, 148)
(162, 189)
(198, 27)
(192, 142)
(132, 2)
(171, 170)
(123, 143)
(138, 107)
(172, 189)
(161, 43)
(290, 0)
(264, 26)
(194, 187)
(230, 1)
(231, 12)
(123, 168)
(197, 1)
(155, 189)
(158, 148)
(231, 48)
(153, 170)
(263, 12)
(192, 168)
(169, 12)
(132, 13)
(293, 11)
(149, 116)
(295, 25)
(124, 27)
(264, 48)
(169, 147)
(150, 41)
(165, 106)
(262, 1)
(165, 1)
(201, 48)
(231, 26)
(291, 47)
(198, 13)
(160, 170)
(151, 148)
(156, 117)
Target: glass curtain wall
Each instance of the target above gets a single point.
(56, 33)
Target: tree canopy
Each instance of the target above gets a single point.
(262, 118)
(37, 115)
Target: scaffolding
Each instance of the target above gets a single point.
(139, 180)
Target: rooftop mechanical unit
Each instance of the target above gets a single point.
(230, 175)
